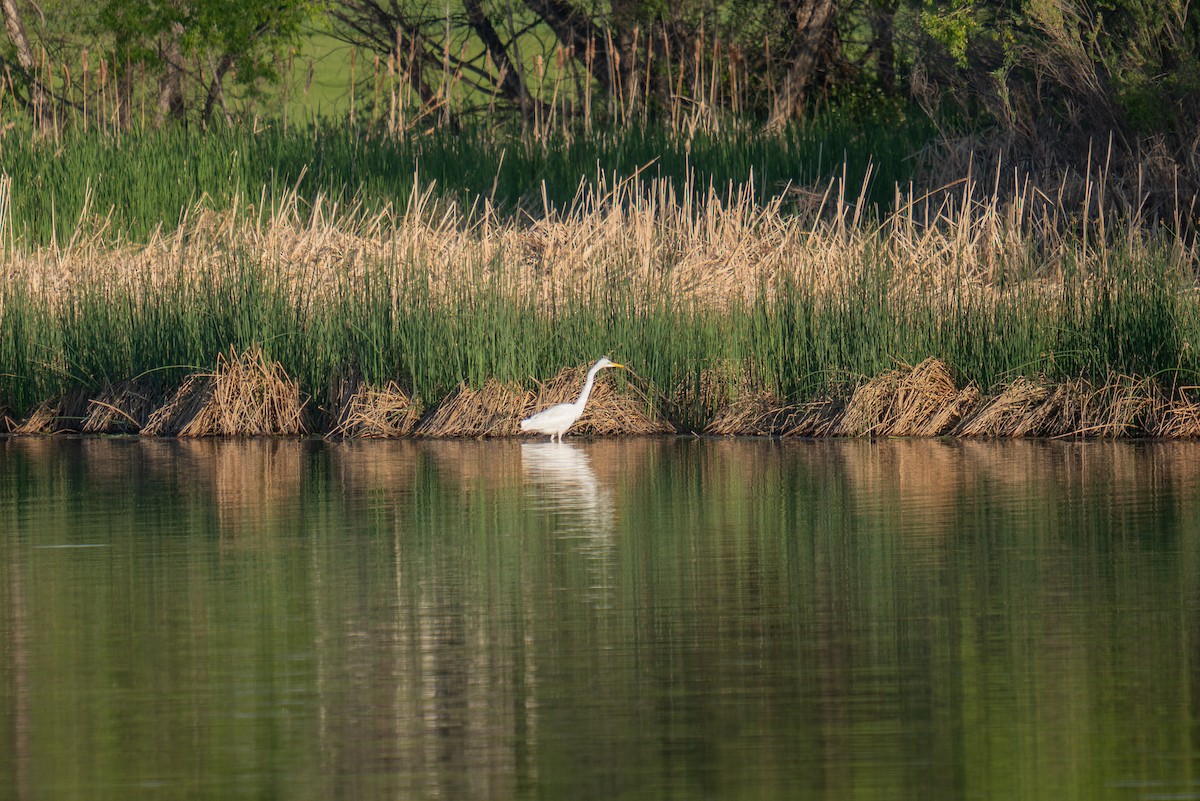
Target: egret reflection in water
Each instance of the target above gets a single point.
(561, 483)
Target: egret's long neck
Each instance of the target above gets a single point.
(587, 388)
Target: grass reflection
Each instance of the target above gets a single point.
(622, 619)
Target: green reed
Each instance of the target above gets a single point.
(1131, 316)
(150, 179)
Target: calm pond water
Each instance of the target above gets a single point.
(639, 619)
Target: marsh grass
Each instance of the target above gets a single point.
(737, 317)
(149, 181)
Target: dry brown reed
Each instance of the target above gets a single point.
(1123, 406)
(1181, 418)
(609, 410)
(496, 409)
(366, 411)
(63, 415)
(41, 420)
(755, 414)
(701, 245)
(1008, 412)
(816, 419)
(245, 396)
(123, 408)
(921, 401)
(493, 410)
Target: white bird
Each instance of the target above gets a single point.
(558, 418)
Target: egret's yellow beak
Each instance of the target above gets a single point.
(614, 364)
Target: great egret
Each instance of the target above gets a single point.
(558, 418)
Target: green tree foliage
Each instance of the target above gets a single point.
(1072, 84)
(223, 38)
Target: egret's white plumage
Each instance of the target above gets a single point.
(558, 418)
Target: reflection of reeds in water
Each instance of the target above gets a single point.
(385, 468)
(255, 485)
(488, 465)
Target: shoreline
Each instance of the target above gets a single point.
(249, 396)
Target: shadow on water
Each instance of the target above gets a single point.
(598, 619)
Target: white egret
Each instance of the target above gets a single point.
(558, 418)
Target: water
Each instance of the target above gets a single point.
(644, 619)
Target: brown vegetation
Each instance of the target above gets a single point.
(496, 409)
(368, 412)
(245, 396)
(702, 249)
(249, 396)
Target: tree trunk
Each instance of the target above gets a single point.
(216, 90)
(578, 33)
(38, 98)
(170, 83)
(883, 46)
(512, 85)
(813, 24)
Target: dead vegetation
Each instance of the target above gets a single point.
(496, 409)
(703, 248)
(245, 396)
(493, 410)
(363, 411)
(123, 408)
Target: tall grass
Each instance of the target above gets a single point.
(139, 182)
(708, 297)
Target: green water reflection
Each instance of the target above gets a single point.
(645, 619)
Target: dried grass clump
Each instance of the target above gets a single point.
(60, 416)
(923, 401)
(371, 412)
(929, 402)
(608, 411)
(756, 414)
(1005, 414)
(493, 410)
(1125, 406)
(245, 396)
(1181, 417)
(123, 408)
(41, 421)
(869, 412)
(818, 419)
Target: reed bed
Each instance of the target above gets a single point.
(144, 183)
(364, 411)
(246, 395)
(739, 317)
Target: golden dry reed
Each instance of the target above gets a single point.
(952, 316)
